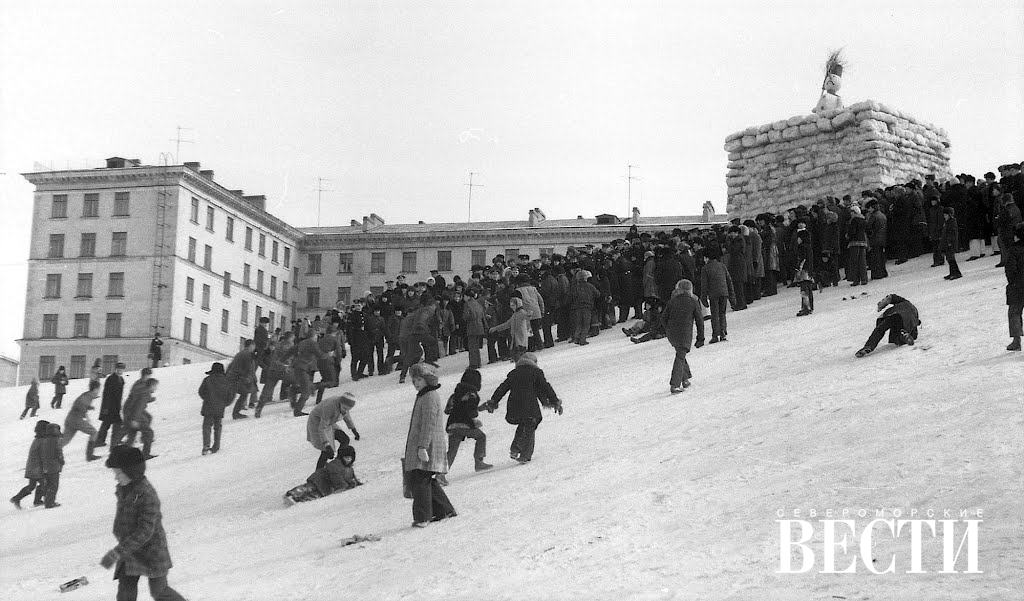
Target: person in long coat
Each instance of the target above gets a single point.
(737, 265)
(622, 272)
(31, 399)
(138, 526)
(242, 374)
(1009, 219)
(216, 391)
(475, 325)
(527, 388)
(679, 317)
(34, 468)
(60, 387)
(950, 241)
(426, 450)
(1013, 263)
(320, 426)
(755, 261)
(110, 406)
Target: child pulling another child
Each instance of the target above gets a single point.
(528, 389)
(337, 475)
(462, 409)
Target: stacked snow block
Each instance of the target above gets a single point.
(868, 145)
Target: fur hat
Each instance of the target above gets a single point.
(347, 451)
(472, 378)
(530, 358)
(41, 427)
(427, 372)
(216, 368)
(127, 459)
(348, 399)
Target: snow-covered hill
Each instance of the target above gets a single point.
(632, 494)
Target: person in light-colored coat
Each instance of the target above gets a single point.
(320, 424)
(426, 450)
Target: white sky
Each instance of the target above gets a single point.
(395, 103)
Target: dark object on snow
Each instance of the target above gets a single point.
(900, 320)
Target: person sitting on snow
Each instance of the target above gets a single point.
(336, 476)
(900, 320)
(650, 326)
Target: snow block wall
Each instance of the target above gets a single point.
(796, 161)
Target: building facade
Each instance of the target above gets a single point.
(120, 253)
(8, 371)
(123, 252)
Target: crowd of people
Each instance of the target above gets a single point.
(670, 282)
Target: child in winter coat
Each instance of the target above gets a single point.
(31, 399)
(805, 262)
(337, 475)
(462, 410)
(650, 326)
(51, 456)
(518, 325)
(529, 390)
(34, 468)
(60, 387)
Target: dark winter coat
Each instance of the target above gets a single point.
(51, 451)
(135, 407)
(667, 272)
(934, 216)
(551, 292)
(526, 386)
(32, 397)
(949, 240)
(393, 327)
(138, 526)
(217, 393)
(1013, 263)
(715, 282)
(242, 371)
(34, 465)
(679, 316)
(60, 382)
(113, 394)
(374, 328)
(738, 260)
(333, 477)
(877, 227)
(582, 295)
(307, 353)
(261, 337)
(622, 273)
(907, 313)
(462, 406)
(976, 217)
(475, 322)
(154, 349)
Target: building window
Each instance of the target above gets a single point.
(202, 335)
(109, 363)
(295, 275)
(270, 316)
(81, 325)
(377, 262)
(225, 317)
(227, 283)
(344, 294)
(192, 249)
(274, 247)
(241, 343)
(259, 315)
(248, 238)
(245, 313)
(229, 230)
(84, 286)
(91, 206)
(50, 325)
(344, 262)
(207, 256)
(119, 244)
(408, 262)
(56, 246)
(52, 285)
(77, 367)
(209, 218)
(314, 264)
(273, 286)
(113, 329)
(444, 260)
(88, 247)
(190, 290)
(194, 218)
(59, 208)
(510, 254)
(263, 245)
(47, 366)
(115, 285)
(284, 324)
(478, 257)
(547, 252)
(287, 257)
(187, 333)
(259, 281)
(312, 297)
(120, 204)
(206, 297)
(246, 274)
(284, 291)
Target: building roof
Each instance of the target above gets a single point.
(493, 226)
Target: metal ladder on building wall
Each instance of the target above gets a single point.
(157, 285)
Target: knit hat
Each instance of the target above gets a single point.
(516, 303)
(127, 459)
(427, 372)
(528, 358)
(472, 378)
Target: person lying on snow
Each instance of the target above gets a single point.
(336, 476)
(900, 320)
(650, 327)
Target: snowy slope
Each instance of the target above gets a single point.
(632, 494)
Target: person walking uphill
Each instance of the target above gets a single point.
(60, 387)
(138, 526)
(527, 388)
(34, 468)
(31, 399)
(110, 406)
(426, 450)
(321, 431)
(242, 374)
(462, 410)
(679, 317)
(216, 392)
(77, 420)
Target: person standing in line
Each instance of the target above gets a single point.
(77, 420)
(679, 317)
(475, 327)
(426, 450)
(155, 352)
(138, 526)
(717, 291)
(31, 399)
(216, 391)
(60, 387)
(1013, 263)
(949, 242)
(110, 406)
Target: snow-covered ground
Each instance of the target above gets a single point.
(632, 494)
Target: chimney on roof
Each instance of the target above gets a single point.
(709, 212)
(636, 215)
(193, 165)
(258, 201)
(116, 163)
(536, 217)
(207, 173)
(376, 219)
(371, 222)
(579, 217)
(354, 223)
(422, 222)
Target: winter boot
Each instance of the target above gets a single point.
(864, 351)
(481, 466)
(441, 479)
(206, 451)
(16, 502)
(89, 455)
(1015, 345)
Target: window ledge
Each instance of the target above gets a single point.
(120, 216)
(51, 298)
(58, 217)
(83, 297)
(115, 296)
